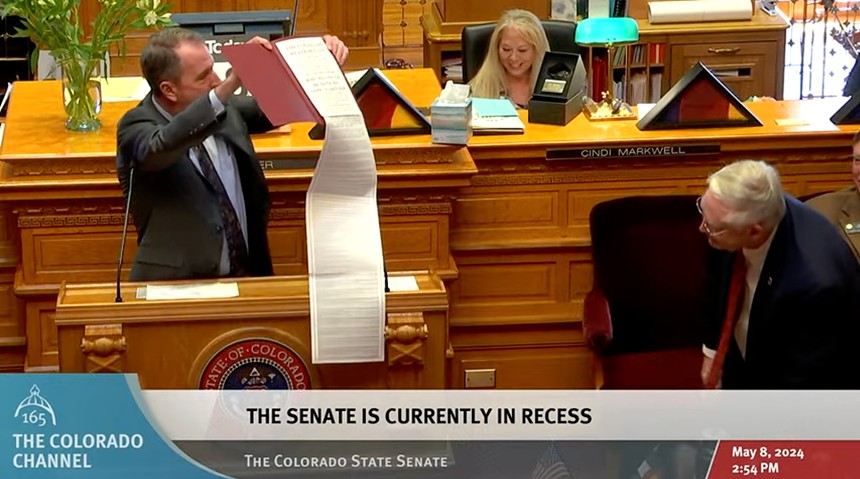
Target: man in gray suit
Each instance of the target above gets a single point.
(199, 197)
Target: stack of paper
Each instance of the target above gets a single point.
(495, 117)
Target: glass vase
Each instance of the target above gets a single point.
(82, 96)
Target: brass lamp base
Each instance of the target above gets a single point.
(608, 109)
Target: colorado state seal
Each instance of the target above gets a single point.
(255, 364)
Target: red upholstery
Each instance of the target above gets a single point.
(646, 311)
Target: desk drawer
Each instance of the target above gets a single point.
(747, 68)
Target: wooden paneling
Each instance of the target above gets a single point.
(506, 210)
(481, 10)
(530, 368)
(312, 17)
(358, 24)
(288, 247)
(513, 286)
(168, 343)
(401, 22)
(581, 201)
(529, 357)
(54, 254)
(519, 262)
(42, 343)
(748, 68)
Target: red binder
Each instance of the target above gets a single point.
(267, 76)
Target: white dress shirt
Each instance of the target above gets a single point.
(225, 165)
(755, 262)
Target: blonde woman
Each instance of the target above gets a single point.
(514, 56)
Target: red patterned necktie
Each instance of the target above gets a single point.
(237, 249)
(733, 310)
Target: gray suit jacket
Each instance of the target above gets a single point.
(842, 208)
(179, 226)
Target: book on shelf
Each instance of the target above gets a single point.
(452, 69)
(656, 86)
(638, 88)
(656, 53)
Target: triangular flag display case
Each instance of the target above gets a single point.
(385, 110)
(849, 113)
(698, 100)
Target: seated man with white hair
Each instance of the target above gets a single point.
(796, 314)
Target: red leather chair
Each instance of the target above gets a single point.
(645, 314)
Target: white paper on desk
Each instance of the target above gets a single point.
(345, 266)
(683, 11)
(402, 283)
(192, 291)
(642, 109)
(512, 123)
(116, 89)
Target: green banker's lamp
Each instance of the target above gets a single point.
(607, 33)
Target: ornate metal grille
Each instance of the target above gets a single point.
(822, 44)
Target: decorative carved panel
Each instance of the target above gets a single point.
(42, 346)
(104, 347)
(405, 335)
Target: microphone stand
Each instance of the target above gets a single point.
(118, 298)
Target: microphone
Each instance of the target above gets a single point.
(124, 233)
(293, 17)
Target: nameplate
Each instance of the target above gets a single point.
(308, 163)
(617, 152)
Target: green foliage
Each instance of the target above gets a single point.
(55, 25)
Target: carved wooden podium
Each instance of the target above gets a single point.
(262, 338)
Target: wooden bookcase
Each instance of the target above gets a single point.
(748, 55)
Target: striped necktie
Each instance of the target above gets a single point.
(237, 249)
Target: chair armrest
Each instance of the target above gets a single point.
(597, 321)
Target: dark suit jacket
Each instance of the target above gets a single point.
(805, 315)
(842, 208)
(179, 225)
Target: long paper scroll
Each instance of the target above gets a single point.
(345, 264)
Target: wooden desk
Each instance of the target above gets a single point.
(61, 206)
(168, 343)
(516, 225)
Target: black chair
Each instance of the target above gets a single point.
(646, 312)
(476, 39)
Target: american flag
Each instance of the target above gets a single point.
(551, 466)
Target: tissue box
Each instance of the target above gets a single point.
(451, 122)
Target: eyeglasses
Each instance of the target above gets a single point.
(705, 224)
